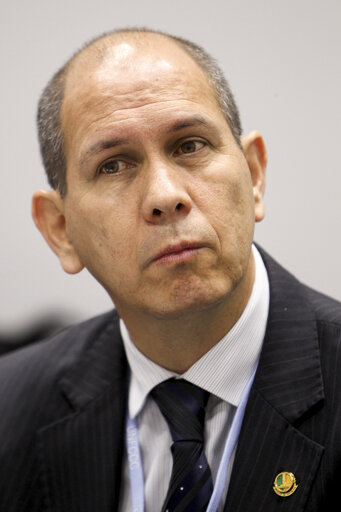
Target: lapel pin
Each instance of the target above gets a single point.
(285, 484)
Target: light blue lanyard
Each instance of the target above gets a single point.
(135, 460)
(135, 465)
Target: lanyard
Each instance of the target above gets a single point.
(135, 465)
(135, 460)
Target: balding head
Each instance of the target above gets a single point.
(121, 48)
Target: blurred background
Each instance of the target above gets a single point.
(282, 60)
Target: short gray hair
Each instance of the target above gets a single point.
(51, 100)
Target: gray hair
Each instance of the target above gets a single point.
(51, 100)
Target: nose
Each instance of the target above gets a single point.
(165, 194)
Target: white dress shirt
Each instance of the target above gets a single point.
(224, 371)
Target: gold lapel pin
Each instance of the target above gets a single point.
(285, 484)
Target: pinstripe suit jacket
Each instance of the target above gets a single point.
(62, 409)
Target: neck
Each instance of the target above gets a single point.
(178, 342)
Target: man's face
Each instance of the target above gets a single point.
(160, 205)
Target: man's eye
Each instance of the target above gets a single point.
(190, 146)
(113, 167)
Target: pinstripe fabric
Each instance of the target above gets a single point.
(288, 425)
(63, 402)
(68, 416)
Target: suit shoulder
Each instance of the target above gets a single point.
(29, 378)
(326, 308)
(52, 355)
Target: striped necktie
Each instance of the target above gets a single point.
(183, 406)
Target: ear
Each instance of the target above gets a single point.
(48, 215)
(255, 153)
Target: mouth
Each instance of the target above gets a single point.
(177, 253)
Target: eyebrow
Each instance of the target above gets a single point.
(102, 145)
(112, 142)
(191, 121)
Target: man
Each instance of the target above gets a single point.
(156, 194)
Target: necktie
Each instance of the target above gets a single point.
(183, 406)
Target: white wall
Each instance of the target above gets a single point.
(282, 59)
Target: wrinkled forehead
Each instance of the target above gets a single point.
(129, 73)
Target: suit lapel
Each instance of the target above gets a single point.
(268, 445)
(81, 454)
(287, 388)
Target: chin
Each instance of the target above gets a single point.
(184, 301)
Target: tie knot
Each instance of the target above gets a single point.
(183, 406)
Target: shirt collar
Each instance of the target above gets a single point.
(225, 369)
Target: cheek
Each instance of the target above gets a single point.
(228, 197)
(100, 234)
(230, 211)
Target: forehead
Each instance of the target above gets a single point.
(125, 80)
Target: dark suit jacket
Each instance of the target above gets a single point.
(63, 401)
